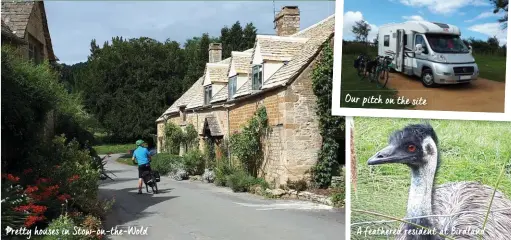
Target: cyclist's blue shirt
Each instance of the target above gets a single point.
(142, 155)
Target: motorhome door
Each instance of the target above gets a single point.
(400, 44)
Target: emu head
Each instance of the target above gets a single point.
(414, 145)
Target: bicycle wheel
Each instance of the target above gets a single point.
(361, 69)
(382, 78)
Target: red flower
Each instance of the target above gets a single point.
(73, 178)
(11, 177)
(57, 166)
(31, 220)
(31, 189)
(27, 171)
(22, 208)
(42, 180)
(63, 197)
(37, 209)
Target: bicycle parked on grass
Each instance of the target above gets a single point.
(380, 72)
(376, 70)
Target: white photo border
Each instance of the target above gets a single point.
(401, 113)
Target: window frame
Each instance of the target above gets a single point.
(208, 92)
(232, 86)
(257, 85)
(35, 50)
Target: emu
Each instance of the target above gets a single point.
(456, 209)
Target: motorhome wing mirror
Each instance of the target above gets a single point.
(418, 49)
(470, 49)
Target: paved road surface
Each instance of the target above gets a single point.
(189, 210)
(482, 95)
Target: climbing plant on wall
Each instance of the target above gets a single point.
(246, 145)
(331, 155)
(190, 138)
(173, 138)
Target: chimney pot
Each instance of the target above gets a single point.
(287, 21)
(215, 52)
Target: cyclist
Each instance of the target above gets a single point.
(142, 157)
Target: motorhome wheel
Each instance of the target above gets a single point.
(427, 78)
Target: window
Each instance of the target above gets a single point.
(207, 94)
(35, 50)
(405, 41)
(386, 40)
(232, 85)
(257, 77)
(182, 113)
(419, 39)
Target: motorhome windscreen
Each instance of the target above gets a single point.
(445, 43)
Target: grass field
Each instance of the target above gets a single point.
(352, 85)
(114, 148)
(470, 151)
(491, 67)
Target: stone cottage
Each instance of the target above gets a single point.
(24, 27)
(275, 73)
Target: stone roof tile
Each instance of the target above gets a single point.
(16, 14)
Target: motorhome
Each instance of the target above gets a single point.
(432, 51)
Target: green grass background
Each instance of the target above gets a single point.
(114, 148)
(470, 151)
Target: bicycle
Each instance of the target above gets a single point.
(380, 72)
(151, 180)
(361, 63)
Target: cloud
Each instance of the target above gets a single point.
(349, 20)
(444, 6)
(484, 15)
(490, 30)
(414, 18)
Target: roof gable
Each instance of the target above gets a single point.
(16, 15)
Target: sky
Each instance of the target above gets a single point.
(73, 24)
(475, 18)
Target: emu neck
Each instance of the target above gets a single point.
(421, 189)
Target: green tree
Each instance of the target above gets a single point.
(249, 36)
(361, 30)
(131, 82)
(501, 5)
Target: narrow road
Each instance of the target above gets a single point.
(482, 95)
(191, 210)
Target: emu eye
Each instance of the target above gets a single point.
(411, 148)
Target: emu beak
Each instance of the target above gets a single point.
(389, 154)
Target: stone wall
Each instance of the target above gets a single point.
(291, 147)
(36, 29)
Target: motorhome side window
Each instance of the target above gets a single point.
(386, 40)
(419, 39)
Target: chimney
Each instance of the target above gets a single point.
(215, 52)
(287, 21)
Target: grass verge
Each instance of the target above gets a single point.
(470, 151)
(491, 67)
(114, 148)
(126, 160)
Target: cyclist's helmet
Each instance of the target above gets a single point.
(140, 142)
